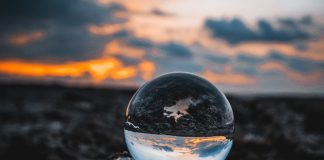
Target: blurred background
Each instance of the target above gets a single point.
(69, 67)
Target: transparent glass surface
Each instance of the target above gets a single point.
(143, 146)
(179, 116)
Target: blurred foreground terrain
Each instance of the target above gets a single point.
(55, 122)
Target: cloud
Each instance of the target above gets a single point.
(208, 150)
(86, 40)
(172, 64)
(127, 60)
(295, 23)
(298, 64)
(63, 25)
(290, 75)
(228, 78)
(172, 56)
(277, 56)
(249, 64)
(22, 39)
(106, 29)
(139, 42)
(180, 65)
(39, 14)
(175, 49)
(218, 59)
(248, 58)
(159, 12)
(245, 69)
(128, 46)
(163, 148)
(235, 31)
(242, 63)
(60, 44)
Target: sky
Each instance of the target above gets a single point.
(247, 46)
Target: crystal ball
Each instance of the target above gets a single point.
(179, 116)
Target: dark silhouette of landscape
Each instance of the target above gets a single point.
(56, 122)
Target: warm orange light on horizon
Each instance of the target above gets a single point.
(147, 68)
(16, 67)
(98, 69)
(124, 73)
(102, 68)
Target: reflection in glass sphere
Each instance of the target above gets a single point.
(179, 116)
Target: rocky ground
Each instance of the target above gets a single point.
(56, 123)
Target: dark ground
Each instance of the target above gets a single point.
(55, 122)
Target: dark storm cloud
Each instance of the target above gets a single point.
(64, 23)
(176, 50)
(236, 31)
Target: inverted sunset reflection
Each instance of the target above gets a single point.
(176, 147)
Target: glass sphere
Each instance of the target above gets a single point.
(179, 116)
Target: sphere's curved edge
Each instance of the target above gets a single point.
(155, 108)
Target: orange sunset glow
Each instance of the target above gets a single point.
(161, 79)
(120, 41)
(100, 69)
